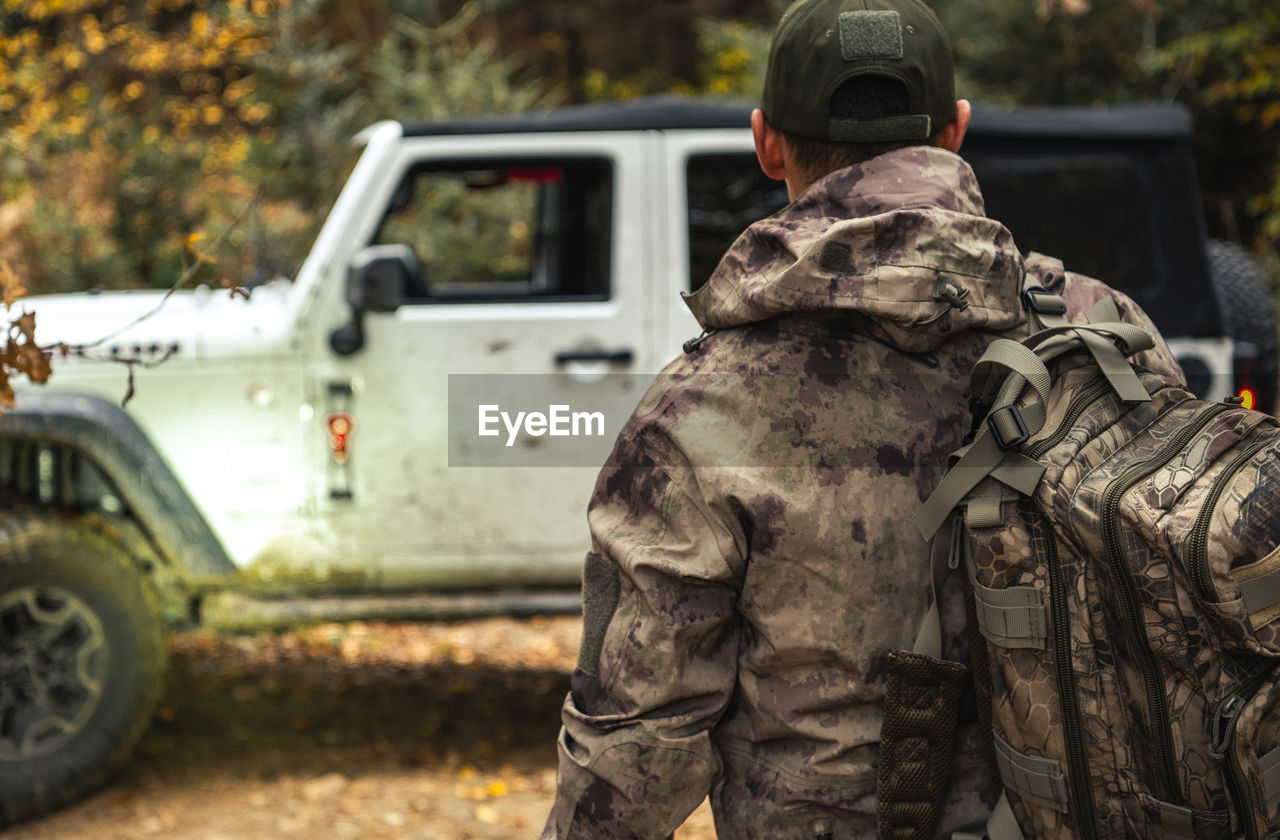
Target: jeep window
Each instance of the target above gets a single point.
(1098, 221)
(490, 231)
(726, 193)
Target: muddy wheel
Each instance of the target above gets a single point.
(83, 654)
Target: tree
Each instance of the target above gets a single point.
(1230, 71)
(135, 128)
(1219, 57)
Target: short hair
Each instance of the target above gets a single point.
(866, 97)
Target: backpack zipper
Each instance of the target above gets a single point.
(1152, 674)
(1224, 715)
(1097, 388)
(1072, 728)
(1197, 551)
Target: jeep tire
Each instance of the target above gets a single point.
(1248, 314)
(83, 655)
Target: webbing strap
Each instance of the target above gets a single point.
(1003, 357)
(1002, 825)
(1177, 821)
(1014, 617)
(1100, 339)
(1020, 367)
(1269, 770)
(949, 549)
(976, 464)
(1044, 309)
(1019, 472)
(1115, 367)
(1260, 588)
(1103, 311)
(1134, 338)
(1038, 780)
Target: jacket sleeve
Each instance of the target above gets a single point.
(658, 661)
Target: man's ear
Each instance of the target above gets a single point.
(953, 133)
(768, 147)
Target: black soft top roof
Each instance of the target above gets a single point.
(657, 113)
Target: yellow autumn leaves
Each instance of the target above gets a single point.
(72, 57)
(484, 792)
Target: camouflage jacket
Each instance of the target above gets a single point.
(753, 559)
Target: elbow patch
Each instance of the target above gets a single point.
(601, 589)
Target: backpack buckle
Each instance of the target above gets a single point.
(1043, 302)
(1000, 425)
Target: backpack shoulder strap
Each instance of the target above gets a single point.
(1000, 377)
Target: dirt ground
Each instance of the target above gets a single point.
(396, 731)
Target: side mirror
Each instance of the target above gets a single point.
(379, 279)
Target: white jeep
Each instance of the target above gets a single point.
(409, 426)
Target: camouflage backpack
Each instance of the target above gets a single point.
(1119, 540)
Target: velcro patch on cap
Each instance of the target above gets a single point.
(870, 34)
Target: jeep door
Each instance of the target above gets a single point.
(473, 418)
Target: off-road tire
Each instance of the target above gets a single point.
(1248, 313)
(83, 656)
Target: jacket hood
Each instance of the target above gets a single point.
(899, 244)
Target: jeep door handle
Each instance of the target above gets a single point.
(613, 357)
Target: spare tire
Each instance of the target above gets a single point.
(1248, 315)
(83, 655)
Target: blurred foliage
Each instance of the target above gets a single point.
(735, 55)
(1053, 52)
(437, 72)
(117, 121)
(1231, 71)
(1221, 58)
(466, 231)
(132, 126)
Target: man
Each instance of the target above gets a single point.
(753, 558)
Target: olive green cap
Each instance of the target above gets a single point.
(819, 44)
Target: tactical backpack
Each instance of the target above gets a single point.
(1119, 542)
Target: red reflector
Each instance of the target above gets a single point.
(340, 426)
(1247, 398)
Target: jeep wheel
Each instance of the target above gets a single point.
(1248, 314)
(83, 654)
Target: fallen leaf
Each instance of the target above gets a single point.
(11, 288)
(26, 326)
(7, 398)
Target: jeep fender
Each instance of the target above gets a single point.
(70, 450)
